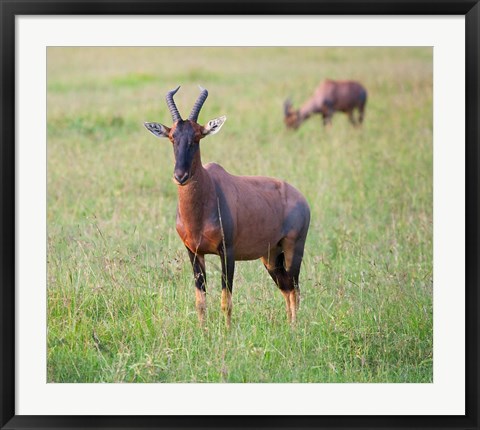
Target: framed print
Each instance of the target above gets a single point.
(255, 215)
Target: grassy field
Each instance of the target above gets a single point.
(120, 286)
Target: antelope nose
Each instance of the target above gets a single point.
(180, 177)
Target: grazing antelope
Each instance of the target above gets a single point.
(235, 217)
(330, 96)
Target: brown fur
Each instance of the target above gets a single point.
(234, 217)
(259, 207)
(269, 218)
(330, 97)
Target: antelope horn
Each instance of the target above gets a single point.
(286, 106)
(198, 104)
(171, 105)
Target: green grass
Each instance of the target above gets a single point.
(120, 286)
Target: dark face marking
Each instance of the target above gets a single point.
(185, 136)
(291, 119)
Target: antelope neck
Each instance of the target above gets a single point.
(195, 196)
(303, 114)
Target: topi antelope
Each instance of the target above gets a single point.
(234, 217)
(330, 96)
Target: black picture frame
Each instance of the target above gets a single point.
(10, 9)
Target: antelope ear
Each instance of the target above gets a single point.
(213, 126)
(157, 129)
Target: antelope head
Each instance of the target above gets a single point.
(291, 116)
(185, 135)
